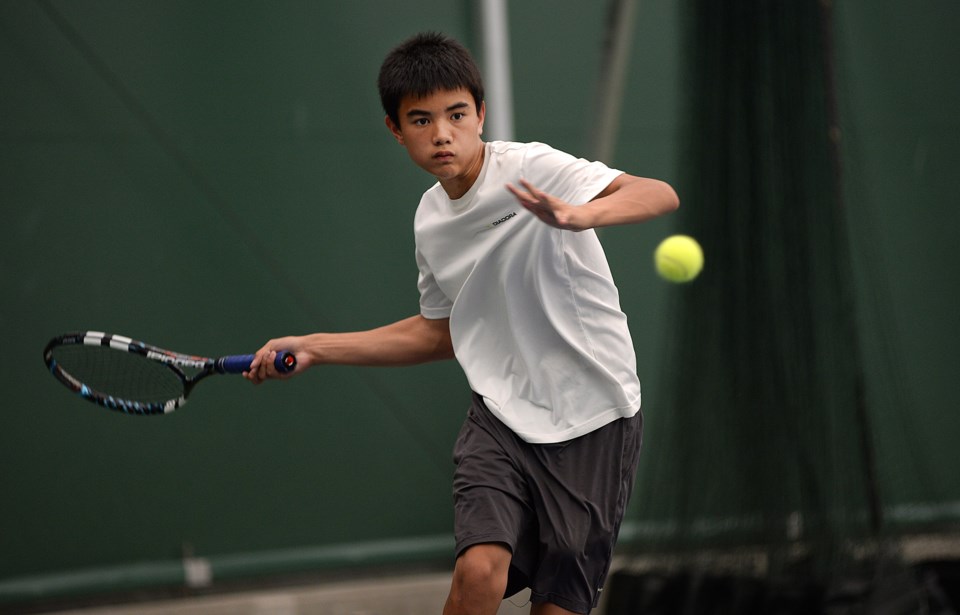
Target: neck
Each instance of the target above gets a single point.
(458, 186)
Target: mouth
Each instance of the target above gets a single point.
(443, 156)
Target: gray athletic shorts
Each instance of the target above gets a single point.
(557, 507)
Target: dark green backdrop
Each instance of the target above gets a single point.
(204, 176)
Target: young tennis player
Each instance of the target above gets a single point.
(514, 285)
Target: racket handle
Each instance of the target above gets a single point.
(285, 363)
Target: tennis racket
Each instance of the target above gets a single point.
(128, 376)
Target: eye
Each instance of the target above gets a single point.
(459, 115)
(420, 121)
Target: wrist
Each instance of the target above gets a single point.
(585, 217)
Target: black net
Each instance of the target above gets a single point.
(761, 436)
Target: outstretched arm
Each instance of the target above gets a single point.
(405, 342)
(627, 200)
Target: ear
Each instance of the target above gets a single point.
(394, 129)
(482, 114)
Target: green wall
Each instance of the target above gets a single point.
(204, 176)
(901, 137)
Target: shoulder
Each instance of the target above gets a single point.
(572, 179)
(526, 159)
(432, 199)
(516, 150)
(535, 155)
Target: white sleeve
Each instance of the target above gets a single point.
(434, 303)
(571, 179)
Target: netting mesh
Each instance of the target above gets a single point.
(760, 435)
(120, 374)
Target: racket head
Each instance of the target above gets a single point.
(123, 374)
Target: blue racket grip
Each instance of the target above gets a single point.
(285, 363)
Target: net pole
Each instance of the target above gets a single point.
(618, 39)
(496, 55)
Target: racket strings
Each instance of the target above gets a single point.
(119, 374)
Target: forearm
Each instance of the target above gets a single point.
(628, 200)
(405, 342)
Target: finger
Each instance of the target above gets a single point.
(259, 366)
(535, 192)
(520, 194)
(525, 198)
(266, 368)
(253, 373)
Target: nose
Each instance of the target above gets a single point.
(441, 134)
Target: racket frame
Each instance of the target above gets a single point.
(175, 361)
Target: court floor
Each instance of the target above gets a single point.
(414, 595)
(420, 593)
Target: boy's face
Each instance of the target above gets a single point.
(441, 132)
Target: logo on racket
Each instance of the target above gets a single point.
(179, 361)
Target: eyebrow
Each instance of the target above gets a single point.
(453, 107)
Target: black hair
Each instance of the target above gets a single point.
(424, 64)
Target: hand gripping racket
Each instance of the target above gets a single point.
(129, 376)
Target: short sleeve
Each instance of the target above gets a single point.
(434, 304)
(574, 180)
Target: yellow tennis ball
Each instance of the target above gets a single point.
(678, 258)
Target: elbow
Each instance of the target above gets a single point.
(445, 348)
(669, 199)
(442, 350)
(435, 335)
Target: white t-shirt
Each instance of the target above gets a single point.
(534, 314)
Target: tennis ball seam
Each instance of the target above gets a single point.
(682, 270)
